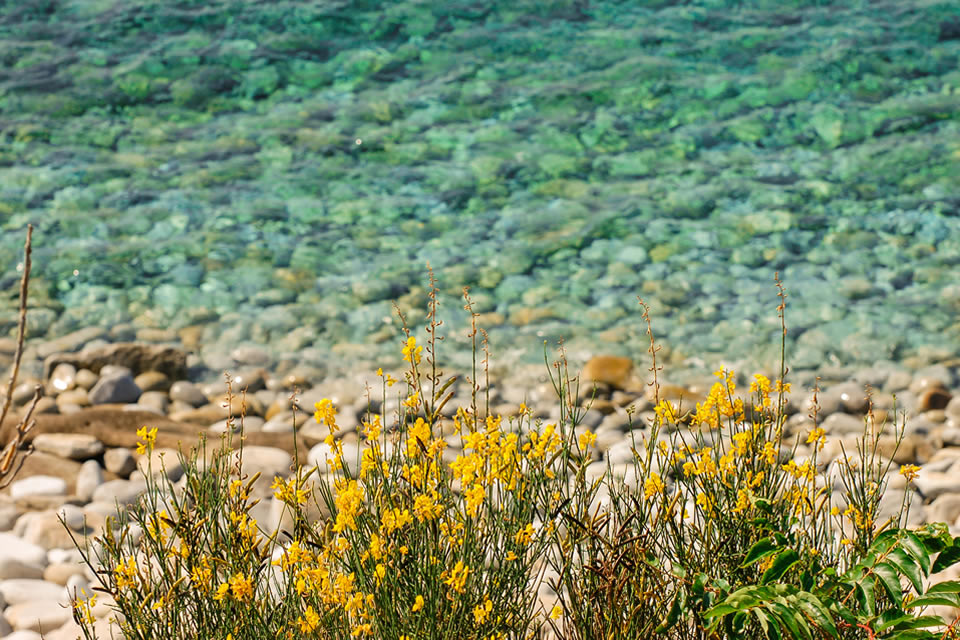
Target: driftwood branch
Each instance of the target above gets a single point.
(8, 460)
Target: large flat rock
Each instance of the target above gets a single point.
(115, 426)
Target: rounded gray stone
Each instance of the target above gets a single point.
(124, 492)
(120, 461)
(116, 388)
(74, 446)
(183, 391)
(38, 486)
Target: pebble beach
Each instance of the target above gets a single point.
(84, 464)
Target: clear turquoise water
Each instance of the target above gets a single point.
(279, 174)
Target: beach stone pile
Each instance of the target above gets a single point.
(84, 465)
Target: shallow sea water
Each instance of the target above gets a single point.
(282, 177)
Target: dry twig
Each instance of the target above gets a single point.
(13, 456)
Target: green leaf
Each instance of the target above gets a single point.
(792, 619)
(722, 585)
(817, 612)
(946, 558)
(760, 550)
(890, 579)
(746, 597)
(945, 599)
(865, 595)
(906, 566)
(890, 618)
(912, 544)
(673, 615)
(884, 541)
(919, 622)
(721, 609)
(947, 586)
(917, 634)
(738, 624)
(770, 627)
(781, 564)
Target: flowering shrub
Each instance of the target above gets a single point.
(725, 530)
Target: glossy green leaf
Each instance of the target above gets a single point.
(944, 599)
(760, 550)
(912, 544)
(947, 586)
(919, 622)
(817, 612)
(791, 619)
(888, 619)
(865, 595)
(946, 558)
(907, 566)
(781, 564)
(720, 610)
(770, 626)
(890, 581)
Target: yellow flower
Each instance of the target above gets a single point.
(126, 574)
(413, 401)
(761, 386)
(239, 587)
(417, 604)
(705, 503)
(349, 502)
(743, 501)
(293, 556)
(474, 498)
(418, 434)
(84, 607)
(201, 574)
(909, 471)
(653, 485)
(411, 350)
(393, 519)
(481, 612)
(817, 436)
(149, 438)
(587, 439)
(457, 578)
(309, 621)
(741, 442)
(666, 412)
(289, 491)
(525, 535)
(770, 453)
(556, 612)
(371, 430)
(222, 591)
(426, 507)
(326, 413)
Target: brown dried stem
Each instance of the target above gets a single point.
(8, 458)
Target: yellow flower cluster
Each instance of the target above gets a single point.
(720, 402)
(239, 588)
(149, 438)
(653, 485)
(326, 413)
(349, 501)
(411, 352)
(289, 491)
